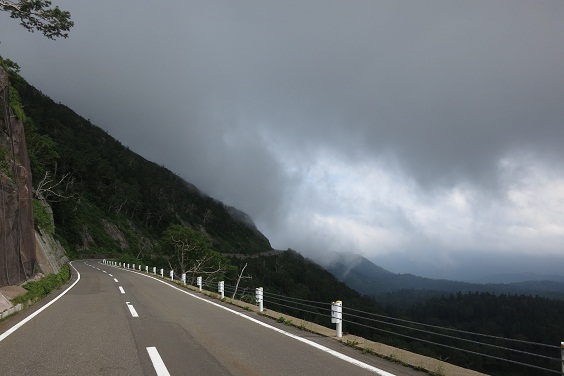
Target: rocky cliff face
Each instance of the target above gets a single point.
(17, 235)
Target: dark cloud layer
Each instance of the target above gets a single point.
(362, 126)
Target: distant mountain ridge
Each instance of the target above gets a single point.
(368, 278)
(517, 277)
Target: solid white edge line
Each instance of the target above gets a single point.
(27, 319)
(158, 363)
(336, 354)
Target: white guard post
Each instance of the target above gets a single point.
(146, 269)
(337, 316)
(171, 275)
(127, 266)
(154, 270)
(259, 297)
(199, 282)
(220, 286)
(139, 266)
(162, 272)
(184, 278)
(562, 350)
(133, 267)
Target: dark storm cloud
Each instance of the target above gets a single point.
(312, 115)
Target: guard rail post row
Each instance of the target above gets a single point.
(259, 298)
(220, 288)
(337, 316)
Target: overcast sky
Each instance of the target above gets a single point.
(427, 136)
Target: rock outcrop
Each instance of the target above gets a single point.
(17, 235)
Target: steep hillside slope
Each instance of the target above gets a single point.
(108, 200)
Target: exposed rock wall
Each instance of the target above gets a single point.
(17, 235)
(50, 253)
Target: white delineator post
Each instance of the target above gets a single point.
(162, 272)
(562, 352)
(199, 282)
(220, 286)
(172, 275)
(337, 316)
(183, 278)
(259, 297)
(146, 269)
(154, 270)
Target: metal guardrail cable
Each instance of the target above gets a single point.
(291, 298)
(459, 349)
(454, 330)
(297, 309)
(302, 304)
(451, 337)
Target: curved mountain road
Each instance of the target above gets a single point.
(122, 322)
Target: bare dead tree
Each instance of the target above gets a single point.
(183, 248)
(208, 216)
(239, 280)
(47, 187)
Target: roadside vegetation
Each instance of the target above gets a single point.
(41, 288)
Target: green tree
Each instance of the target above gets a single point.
(41, 16)
(192, 252)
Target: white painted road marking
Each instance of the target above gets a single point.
(132, 310)
(115, 279)
(104, 271)
(110, 275)
(121, 290)
(28, 318)
(157, 362)
(329, 351)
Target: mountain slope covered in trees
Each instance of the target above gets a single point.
(108, 199)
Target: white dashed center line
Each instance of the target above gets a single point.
(115, 279)
(132, 310)
(121, 290)
(158, 363)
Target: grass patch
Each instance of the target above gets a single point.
(43, 287)
(43, 218)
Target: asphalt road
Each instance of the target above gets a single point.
(121, 322)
